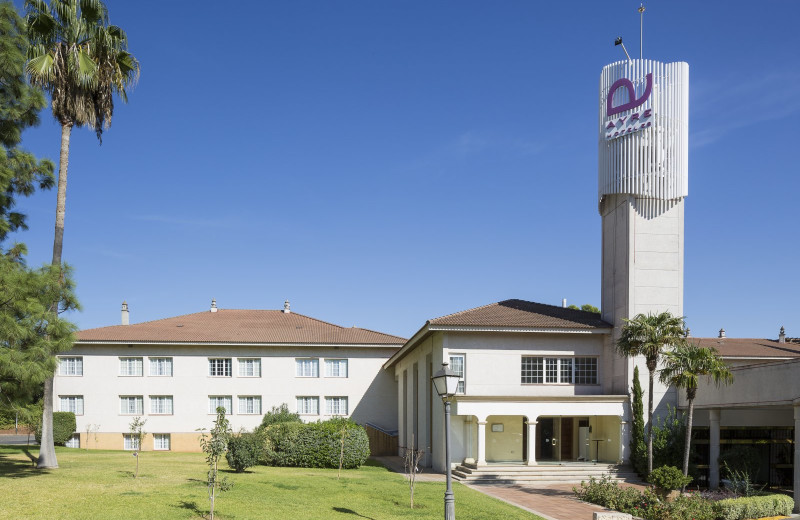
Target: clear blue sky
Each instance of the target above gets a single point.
(383, 163)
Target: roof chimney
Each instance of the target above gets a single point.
(721, 333)
(286, 309)
(213, 305)
(125, 314)
(564, 303)
(782, 336)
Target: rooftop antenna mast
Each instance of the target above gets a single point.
(641, 29)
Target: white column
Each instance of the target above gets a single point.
(623, 440)
(797, 457)
(481, 443)
(531, 443)
(713, 448)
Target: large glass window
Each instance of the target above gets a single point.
(215, 401)
(308, 405)
(161, 404)
(131, 405)
(130, 366)
(249, 367)
(335, 368)
(307, 367)
(540, 369)
(220, 367)
(336, 405)
(161, 366)
(457, 365)
(250, 404)
(70, 366)
(71, 403)
(161, 441)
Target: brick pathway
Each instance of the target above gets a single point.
(550, 501)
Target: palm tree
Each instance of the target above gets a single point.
(81, 61)
(648, 336)
(683, 367)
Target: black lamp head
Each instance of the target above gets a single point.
(618, 41)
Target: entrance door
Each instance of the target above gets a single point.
(566, 438)
(544, 439)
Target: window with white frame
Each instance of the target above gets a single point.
(71, 403)
(70, 366)
(161, 441)
(249, 367)
(457, 365)
(307, 367)
(553, 370)
(131, 405)
(249, 404)
(336, 405)
(161, 404)
(335, 368)
(220, 367)
(308, 405)
(161, 366)
(130, 366)
(74, 441)
(215, 401)
(131, 442)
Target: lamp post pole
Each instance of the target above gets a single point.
(449, 500)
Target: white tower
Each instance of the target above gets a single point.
(642, 180)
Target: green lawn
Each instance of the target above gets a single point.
(100, 485)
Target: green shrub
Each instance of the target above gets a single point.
(244, 451)
(64, 426)
(754, 507)
(668, 478)
(279, 414)
(315, 445)
(691, 507)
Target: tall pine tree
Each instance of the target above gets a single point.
(638, 444)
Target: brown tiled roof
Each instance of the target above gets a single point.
(750, 347)
(521, 313)
(239, 326)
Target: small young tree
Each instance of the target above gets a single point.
(215, 445)
(136, 428)
(411, 459)
(91, 430)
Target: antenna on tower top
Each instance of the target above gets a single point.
(641, 29)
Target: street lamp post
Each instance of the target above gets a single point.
(446, 383)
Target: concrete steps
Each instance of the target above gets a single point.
(545, 473)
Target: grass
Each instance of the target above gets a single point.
(100, 485)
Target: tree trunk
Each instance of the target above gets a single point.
(47, 451)
(650, 424)
(686, 448)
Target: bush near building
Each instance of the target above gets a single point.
(244, 451)
(754, 507)
(315, 445)
(64, 426)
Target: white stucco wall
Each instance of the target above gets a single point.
(369, 389)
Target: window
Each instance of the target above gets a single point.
(161, 404)
(577, 371)
(161, 366)
(131, 442)
(585, 371)
(130, 366)
(161, 441)
(307, 367)
(335, 368)
(72, 403)
(70, 366)
(131, 405)
(336, 405)
(249, 368)
(457, 366)
(215, 401)
(250, 404)
(308, 405)
(532, 370)
(219, 367)
(74, 441)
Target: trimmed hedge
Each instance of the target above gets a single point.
(64, 426)
(315, 445)
(754, 507)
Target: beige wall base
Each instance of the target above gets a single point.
(187, 442)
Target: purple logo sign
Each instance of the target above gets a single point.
(632, 101)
